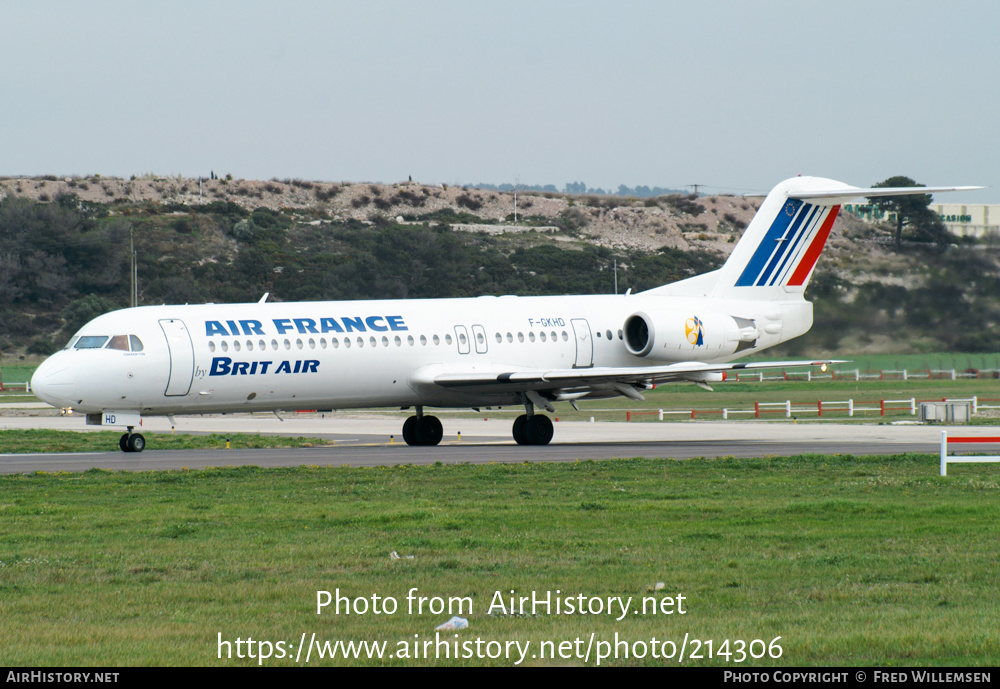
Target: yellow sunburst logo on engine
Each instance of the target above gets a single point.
(694, 331)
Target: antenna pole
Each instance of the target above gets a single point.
(515, 198)
(134, 296)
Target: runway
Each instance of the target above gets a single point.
(374, 441)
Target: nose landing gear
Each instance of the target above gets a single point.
(132, 442)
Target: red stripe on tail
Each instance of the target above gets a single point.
(815, 249)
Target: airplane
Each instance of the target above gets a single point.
(488, 351)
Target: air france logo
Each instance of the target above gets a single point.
(305, 326)
(694, 332)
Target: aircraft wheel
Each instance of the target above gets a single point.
(520, 434)
(538, 429)
(410, 430)
(429, 430)
(123, 443)
(136, 443)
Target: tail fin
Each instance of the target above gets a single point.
(775, 257)
(783, 241)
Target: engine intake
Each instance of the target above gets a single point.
(679, 336)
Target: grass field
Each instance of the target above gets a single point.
(850, 560)
(31, 440)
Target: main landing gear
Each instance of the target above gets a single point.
(422, 430)
(132, 442)
(531, 428)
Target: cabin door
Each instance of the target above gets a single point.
(584, 343)
(181, 357)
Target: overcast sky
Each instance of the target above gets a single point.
(732, 95)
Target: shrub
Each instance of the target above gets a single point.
(467, 201)
(324, 195)
(683, 204)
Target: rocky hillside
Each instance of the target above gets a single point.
(229, 240)
(706, 223)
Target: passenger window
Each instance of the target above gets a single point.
(136, 343)
(91, 341)
(119, 342)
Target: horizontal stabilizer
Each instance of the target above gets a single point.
(847, 193)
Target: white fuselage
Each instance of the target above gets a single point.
(350, 354)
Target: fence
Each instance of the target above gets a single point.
(858, 375)
(788, 408)
(953, 459)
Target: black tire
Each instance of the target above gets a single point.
(123, 443)
(410, 431)
(538, 429)
(429, 430)
(520, 436)
(136, 443)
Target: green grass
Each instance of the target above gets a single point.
(850, 560)
(32, 440)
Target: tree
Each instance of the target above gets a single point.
(909, 210)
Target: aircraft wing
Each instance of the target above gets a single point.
(603, 378)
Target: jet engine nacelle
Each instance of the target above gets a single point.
(678, 336)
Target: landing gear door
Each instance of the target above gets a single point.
(181, 357)
(584, 343)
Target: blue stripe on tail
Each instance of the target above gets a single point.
(767, 247)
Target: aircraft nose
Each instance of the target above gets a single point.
(54, 382)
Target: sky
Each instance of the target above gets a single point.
(733, 96)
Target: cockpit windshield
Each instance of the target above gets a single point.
(124, 343)
(91, 341)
